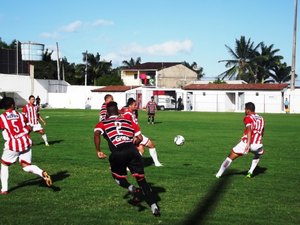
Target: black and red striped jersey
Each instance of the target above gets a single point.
(103, 112)
(118, 130)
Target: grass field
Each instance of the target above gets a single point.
(188, 192)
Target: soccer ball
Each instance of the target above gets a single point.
(179, 140)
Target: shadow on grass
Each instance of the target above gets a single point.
(258, 170)
(208, 203)
(141, 207)
(39, 181)
(50, 142)
(148, 161)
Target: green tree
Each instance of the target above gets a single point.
(242, 66)
(112, 79)
(265, 61)
(280, 74)
(131, 63)
(195, 68)
(96, 67)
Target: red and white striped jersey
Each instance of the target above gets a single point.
(118, 131)
(31, 113)
(257, 124)
(151, 107)
(103, 112)
(15, 132)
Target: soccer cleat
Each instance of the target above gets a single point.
(249, 175)
(47, 144)
(155, 210)
(158, 164)
(4, 192)
(47, 179)
(217, 176)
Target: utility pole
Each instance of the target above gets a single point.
(293, 72)
(86, 64)
(58, 64)
(17, 56)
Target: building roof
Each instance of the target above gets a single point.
(114, 88)
(153, 65)
(267, 87)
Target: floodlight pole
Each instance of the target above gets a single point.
(294, 48)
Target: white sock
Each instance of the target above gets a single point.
(4, 177)
(253, 165)
(44, 136)
(153, 207)
(33, 169)
(153, 154)
(224, 166)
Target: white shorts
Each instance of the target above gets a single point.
(144, 141)
(37, 127)
(254, 148)
(11, 157)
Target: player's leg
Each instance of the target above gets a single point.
(236, 152)
(38, 128)
(8, 158)
(153, 153)
(257, 153)
(25, 161)
(152, 116)
(137, 169)
(149, 118)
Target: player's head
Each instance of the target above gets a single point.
(131, 103)
(249, 108)
(112, 108)
(152, 98)
(7, 103)
(108, 98)
(31, 99)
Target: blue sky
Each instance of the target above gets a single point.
(156, 30)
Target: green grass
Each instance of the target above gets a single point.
(188, 192)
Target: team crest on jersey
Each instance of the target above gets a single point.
(12, 116)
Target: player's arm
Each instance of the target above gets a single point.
(97, 141)
(41, 119)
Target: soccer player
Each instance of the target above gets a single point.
(103, 112)
(31, 112)
(129, 113)
(121, 134)
(17, 144)
(151, 108)
(251, 140)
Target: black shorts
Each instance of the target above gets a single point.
(151, 114)
(126, 156)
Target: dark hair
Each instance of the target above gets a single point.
(130, 101)
(31, 96)
(7, 103)
(152, 96)
(112, 108)
(250, 106)
(107, 96)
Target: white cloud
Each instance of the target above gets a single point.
(53, 35)
(168, 48)
(72, 27)
(101, 22)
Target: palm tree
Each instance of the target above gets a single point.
(280, 74)
(242, 64)
(131, 63)
(195, 68)
(266, 61)
(96, 67)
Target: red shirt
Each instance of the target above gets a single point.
(118, 131)
(257, 124)
(15, 132)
